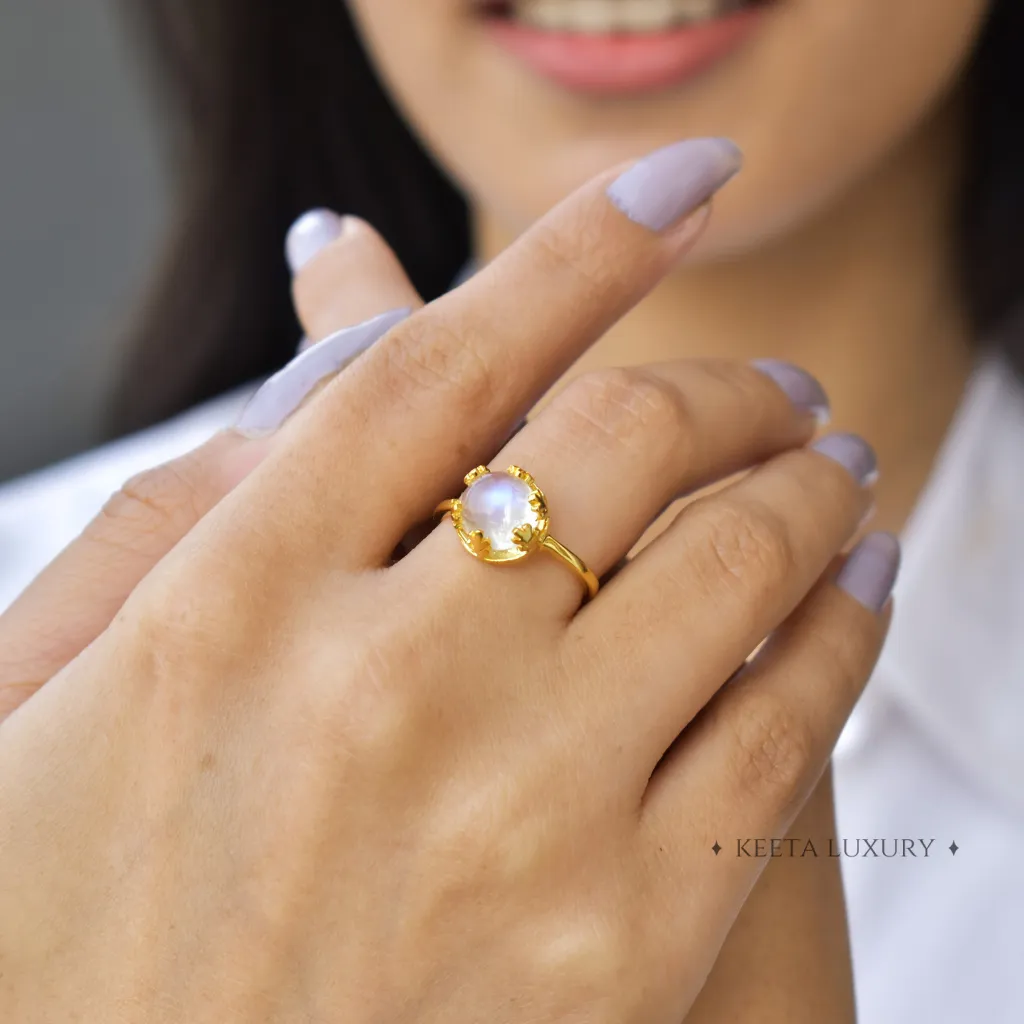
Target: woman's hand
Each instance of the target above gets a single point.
(288, 782)
(74, 599)
(787, 955)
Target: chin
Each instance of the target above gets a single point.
(523, 100)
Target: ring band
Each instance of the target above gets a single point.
(503, 517)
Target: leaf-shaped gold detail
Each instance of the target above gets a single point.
(523, 535)
(520, 473)
(479, 544)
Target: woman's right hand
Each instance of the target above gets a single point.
(291, 781)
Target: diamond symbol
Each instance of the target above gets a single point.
(716, 848)
(953, 847)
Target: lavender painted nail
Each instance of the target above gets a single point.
(800, 387)
(853, 453)
(670, 182)
(870, 572)
(308, 235)
(283, 393)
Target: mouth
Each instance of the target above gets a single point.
(602, 17)
(620, 46)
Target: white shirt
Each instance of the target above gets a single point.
(934, 750)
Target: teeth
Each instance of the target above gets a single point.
(603, 16)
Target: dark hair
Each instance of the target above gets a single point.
(277, 109)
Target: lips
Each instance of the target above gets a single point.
(620, 46)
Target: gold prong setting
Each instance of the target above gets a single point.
(479, 545)
(501, 516)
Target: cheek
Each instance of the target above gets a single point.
(820, 96)
(427, 54)
(839, 85)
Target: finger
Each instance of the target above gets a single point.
(444, 389)
(729, 569)
(616, 446)
(344, 273)
(77, 595)
(350, 290)
(758, 749)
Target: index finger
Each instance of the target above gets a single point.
(441, 391)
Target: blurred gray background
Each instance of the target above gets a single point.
(82, 206)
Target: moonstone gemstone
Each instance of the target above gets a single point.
(495, 505)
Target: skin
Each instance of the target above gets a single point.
(787, 956)
(289, 813)
(845, 241)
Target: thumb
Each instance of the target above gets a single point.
(77, 595)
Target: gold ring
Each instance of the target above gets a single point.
(503, 517)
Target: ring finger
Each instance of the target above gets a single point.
(616, 446)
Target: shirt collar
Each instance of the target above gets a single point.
(954, 658)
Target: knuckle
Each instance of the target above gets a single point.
(625, 408)
(592, 958)
(377, 724)
(428, 356)
(744, 542)
(173, 496)
(200, 613)
(170, 610)
(188, 649)
(773, 748)
(362, 709)
(488, 836)
(170, 643)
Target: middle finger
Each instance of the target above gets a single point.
(616, 446)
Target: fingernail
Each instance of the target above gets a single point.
(853, 453)
(870, 571)
(308, 235)
(281, 394)
(670, 182)
(800, 387)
